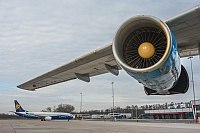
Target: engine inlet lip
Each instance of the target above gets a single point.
(119, 33)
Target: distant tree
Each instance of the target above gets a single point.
(128, 107)
(166, 105)
(154, 106)
(136, 107)
(146, 107)
(121, 110)
(142, 107)
(171, 104)
(65, 108)
(150, 107)
(107, 111)
(48, 109)
(94, 112)
(102, 111)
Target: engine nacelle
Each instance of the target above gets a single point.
(146, 49)
(48, 118)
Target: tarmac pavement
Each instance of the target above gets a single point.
(83, 126)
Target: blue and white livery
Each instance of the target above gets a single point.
(44, 116)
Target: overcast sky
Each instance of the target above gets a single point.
(38, 36)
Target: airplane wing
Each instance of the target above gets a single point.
(186, 29)
(95, 63)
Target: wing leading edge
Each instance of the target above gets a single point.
(95, 63)
(186, 29)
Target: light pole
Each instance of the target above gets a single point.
(113, 97)
(195, 112)
(81, 102)
(136, 114)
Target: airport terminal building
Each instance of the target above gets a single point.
(181, 112)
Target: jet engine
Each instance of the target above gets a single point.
(146, 49)
(48, 118)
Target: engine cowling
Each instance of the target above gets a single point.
(48, 118)
(146, 49)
